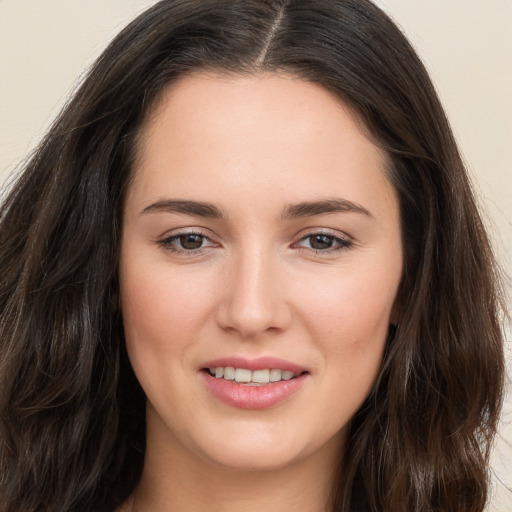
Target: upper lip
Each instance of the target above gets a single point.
(259, 363)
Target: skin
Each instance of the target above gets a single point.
(252, 146)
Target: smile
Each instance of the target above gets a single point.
(252, 378)
(259, 383)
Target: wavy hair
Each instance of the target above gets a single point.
(71, 410)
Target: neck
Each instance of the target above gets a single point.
(174, 480)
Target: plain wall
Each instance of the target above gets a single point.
(466, 44)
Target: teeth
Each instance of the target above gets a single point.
(229, 373)
(275, 375)
(245, 376)
(261, 376)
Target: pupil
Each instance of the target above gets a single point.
(191, 242)
(321, 242)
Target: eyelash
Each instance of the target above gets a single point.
(341, 243)
(167, 243)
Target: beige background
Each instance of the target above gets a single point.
(466, 44)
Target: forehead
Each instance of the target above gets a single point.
(254, 133)
(217, 101)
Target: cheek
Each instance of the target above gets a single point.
(351, 306)
(162, 313)
(350, 316)
(350, 324)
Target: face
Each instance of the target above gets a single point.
(261, 256)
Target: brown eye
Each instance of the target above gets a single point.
(183, 243)
(190, 241)
(319, 242)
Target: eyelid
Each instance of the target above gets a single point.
(344, 241)
(166, 240)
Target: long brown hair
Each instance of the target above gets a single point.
(71, 411)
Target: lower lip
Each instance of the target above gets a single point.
(253, 397)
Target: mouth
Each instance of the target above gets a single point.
(261, 383)
(248, 377)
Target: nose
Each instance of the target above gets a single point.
(253, 300)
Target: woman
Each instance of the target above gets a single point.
(238, 273)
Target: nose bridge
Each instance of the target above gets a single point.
(253, 300)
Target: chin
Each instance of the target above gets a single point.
(260, 449)
(248, 459)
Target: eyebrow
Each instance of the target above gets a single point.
(195, 208)
(303, 209)
(331, 205)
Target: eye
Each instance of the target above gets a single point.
(186, 242)
(321, 242)
(190, 241)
